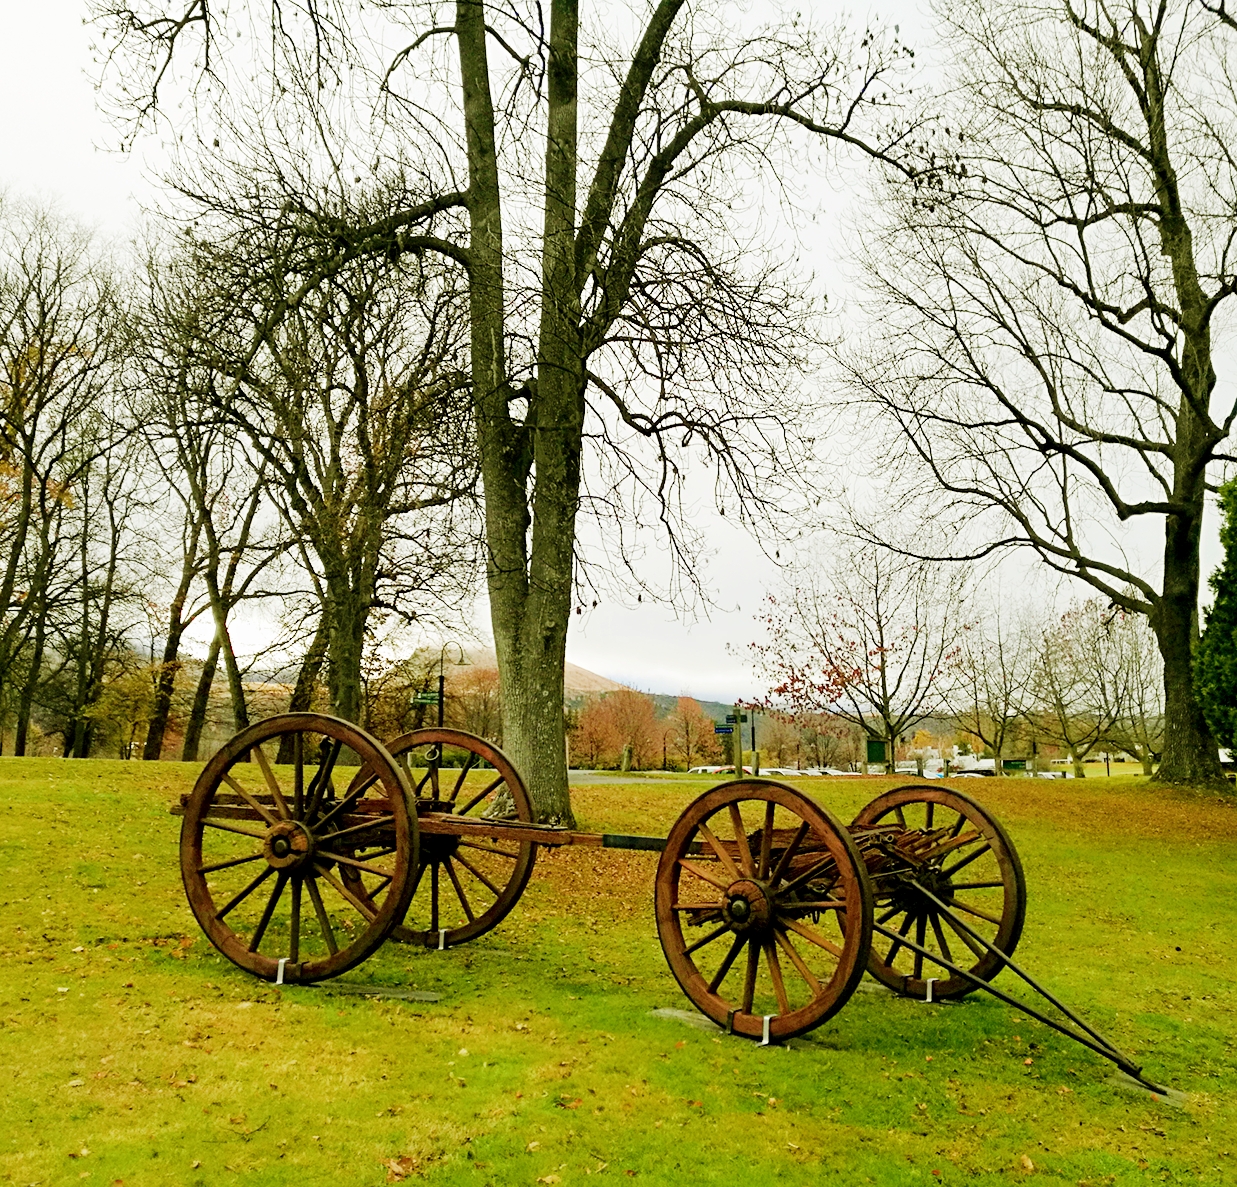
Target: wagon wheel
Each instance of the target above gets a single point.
(264, 848)
(764, 909)
(462, 887)
(946, 842)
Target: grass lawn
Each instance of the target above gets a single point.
(135, 1055)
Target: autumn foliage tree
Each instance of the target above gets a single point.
(873, 642)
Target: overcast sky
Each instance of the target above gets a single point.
(53, 145)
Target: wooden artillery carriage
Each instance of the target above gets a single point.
(769, 910)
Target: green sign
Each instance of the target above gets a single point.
(876, 750)
(425, 698)
(1015, 764)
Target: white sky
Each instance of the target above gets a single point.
(53, 146)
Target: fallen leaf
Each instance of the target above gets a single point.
(681, 1043)
(549, 1179)
(1028, 1061)
(791, 1146)
(532, 1146)
(76, 1083)
(400, 1168)
(1027, 1164)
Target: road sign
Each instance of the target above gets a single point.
(723, 729)
(733, 718)
(425, 698)
(876, 750)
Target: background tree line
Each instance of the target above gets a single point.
(163, 468)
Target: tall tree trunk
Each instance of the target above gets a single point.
(347, 616)
(170, 666)
(25, 701)
(303, 691)
(201, 702)
(530, 591)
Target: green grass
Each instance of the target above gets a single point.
(123, 1034)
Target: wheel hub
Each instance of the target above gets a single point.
(287, 845)
(748, 906)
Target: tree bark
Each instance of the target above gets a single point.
(152, 750)
(201, 702)
(306, 679)
(529, 584)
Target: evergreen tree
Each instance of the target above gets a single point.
(1215, 670)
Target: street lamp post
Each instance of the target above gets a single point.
(442, 675)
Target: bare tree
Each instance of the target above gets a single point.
(1138, 724)
(629, 313)
(992, 677)
(874, 640)
(356, 406)
(1077, 689)
(1047, 297)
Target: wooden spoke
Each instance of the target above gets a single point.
(294, 923)
(722, 856)
(888, 915)
(347, 803)
(365, 910)
(724, 967)
(986, 847)
(271, 782)
(959, 825)
(459, 890)
(775, 975)
(749, 975)
(324, 922)
(476, 873)
(469, 763)
(481, 795)
(235, 861)
(434, 896)
(239, 898)
(897, 945)
(940, 937)
(345, 860)
(766, 840)
(806, 973)
(921, 931)
(740, 839)
(970, 910)
(436, 791)
(805, 877)
(788, 854)
(298, 776)
(260, 809)
(899, 814)
(269, 910)
(966, 938)
(713, 935)
(322, 777)
(812, 936)
(929, 809)
(704, 875)
(232, 828)
(695, 907)
(997, 885)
